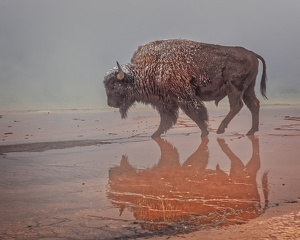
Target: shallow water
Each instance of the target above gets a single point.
(137, 187)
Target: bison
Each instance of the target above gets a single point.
(177, 73)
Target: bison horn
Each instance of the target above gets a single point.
(120, 74)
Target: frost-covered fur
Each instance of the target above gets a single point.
(173, 74)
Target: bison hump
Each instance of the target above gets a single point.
(173, 61)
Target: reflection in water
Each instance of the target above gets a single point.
(186, 197)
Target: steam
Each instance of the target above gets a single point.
(55, 54)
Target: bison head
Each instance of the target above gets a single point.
(119, 89)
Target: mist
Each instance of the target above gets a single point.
(54, 54)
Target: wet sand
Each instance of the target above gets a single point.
(90, 175)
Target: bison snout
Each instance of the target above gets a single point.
(112, 103)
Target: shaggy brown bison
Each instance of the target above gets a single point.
(173, 74)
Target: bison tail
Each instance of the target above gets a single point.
(263, 87)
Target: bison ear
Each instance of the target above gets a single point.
(120, 74)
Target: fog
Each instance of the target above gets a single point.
(54, 54)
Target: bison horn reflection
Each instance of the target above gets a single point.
(188, 196)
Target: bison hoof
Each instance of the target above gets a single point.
(204, 134)
(156, 135)
(250, 133)
(220, 131)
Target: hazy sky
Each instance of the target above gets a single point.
(55, 53)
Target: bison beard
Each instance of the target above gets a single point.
(173, 74)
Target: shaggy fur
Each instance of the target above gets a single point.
(173, 74)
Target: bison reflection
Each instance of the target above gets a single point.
(188, 196)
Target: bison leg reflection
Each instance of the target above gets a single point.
(199, 159)
(169, 158)
(246, 174)
(238, 169)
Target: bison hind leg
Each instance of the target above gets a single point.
(252, 103)
(236, 105)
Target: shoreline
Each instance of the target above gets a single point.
(140, 107)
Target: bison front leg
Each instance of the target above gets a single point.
(168, 117)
